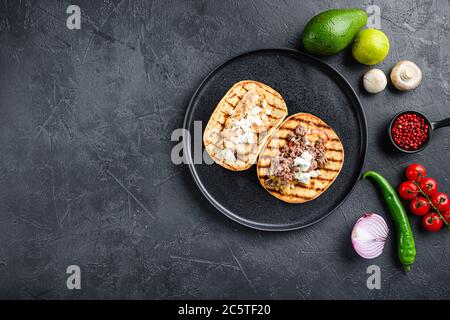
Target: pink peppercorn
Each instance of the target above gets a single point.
(410, 131)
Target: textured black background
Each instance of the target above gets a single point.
(85, 171)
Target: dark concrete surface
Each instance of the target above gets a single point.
(85, 172)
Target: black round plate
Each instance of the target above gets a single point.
(308, 85)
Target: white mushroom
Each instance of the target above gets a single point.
(374, 81)
(406, 75)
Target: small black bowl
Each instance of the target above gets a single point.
(432, 125)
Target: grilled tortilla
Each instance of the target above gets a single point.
(297, 192)
(241, 123)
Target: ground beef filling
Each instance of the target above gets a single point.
(283, 168)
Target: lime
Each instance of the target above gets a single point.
(371, 46)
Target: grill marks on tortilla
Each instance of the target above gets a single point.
(281, 195)
(263, 88)
(333, 148)
(316, 186)
(326, 176)
(266, 93)
(334, 153)
(223, 113)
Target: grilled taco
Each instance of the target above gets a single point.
(241, 124)
(301, 159)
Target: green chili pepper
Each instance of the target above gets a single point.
(406, 246)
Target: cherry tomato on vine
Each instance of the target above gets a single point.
(420, 206)
(432, 222)
(446, 215)
(415, 171)
(428, 185)
(408, 190)
(440, 201)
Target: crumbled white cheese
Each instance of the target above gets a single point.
(243, 126)
(255, 119)
(228, 155)
(264, 117)
(304, 177)
(246, 137)
(244, 133)
(255, 111)
(304, 161)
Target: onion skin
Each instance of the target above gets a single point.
(369, 235)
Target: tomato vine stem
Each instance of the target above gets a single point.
(432, 205)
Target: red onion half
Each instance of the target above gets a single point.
(369, 235)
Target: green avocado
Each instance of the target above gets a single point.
(332, 31)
